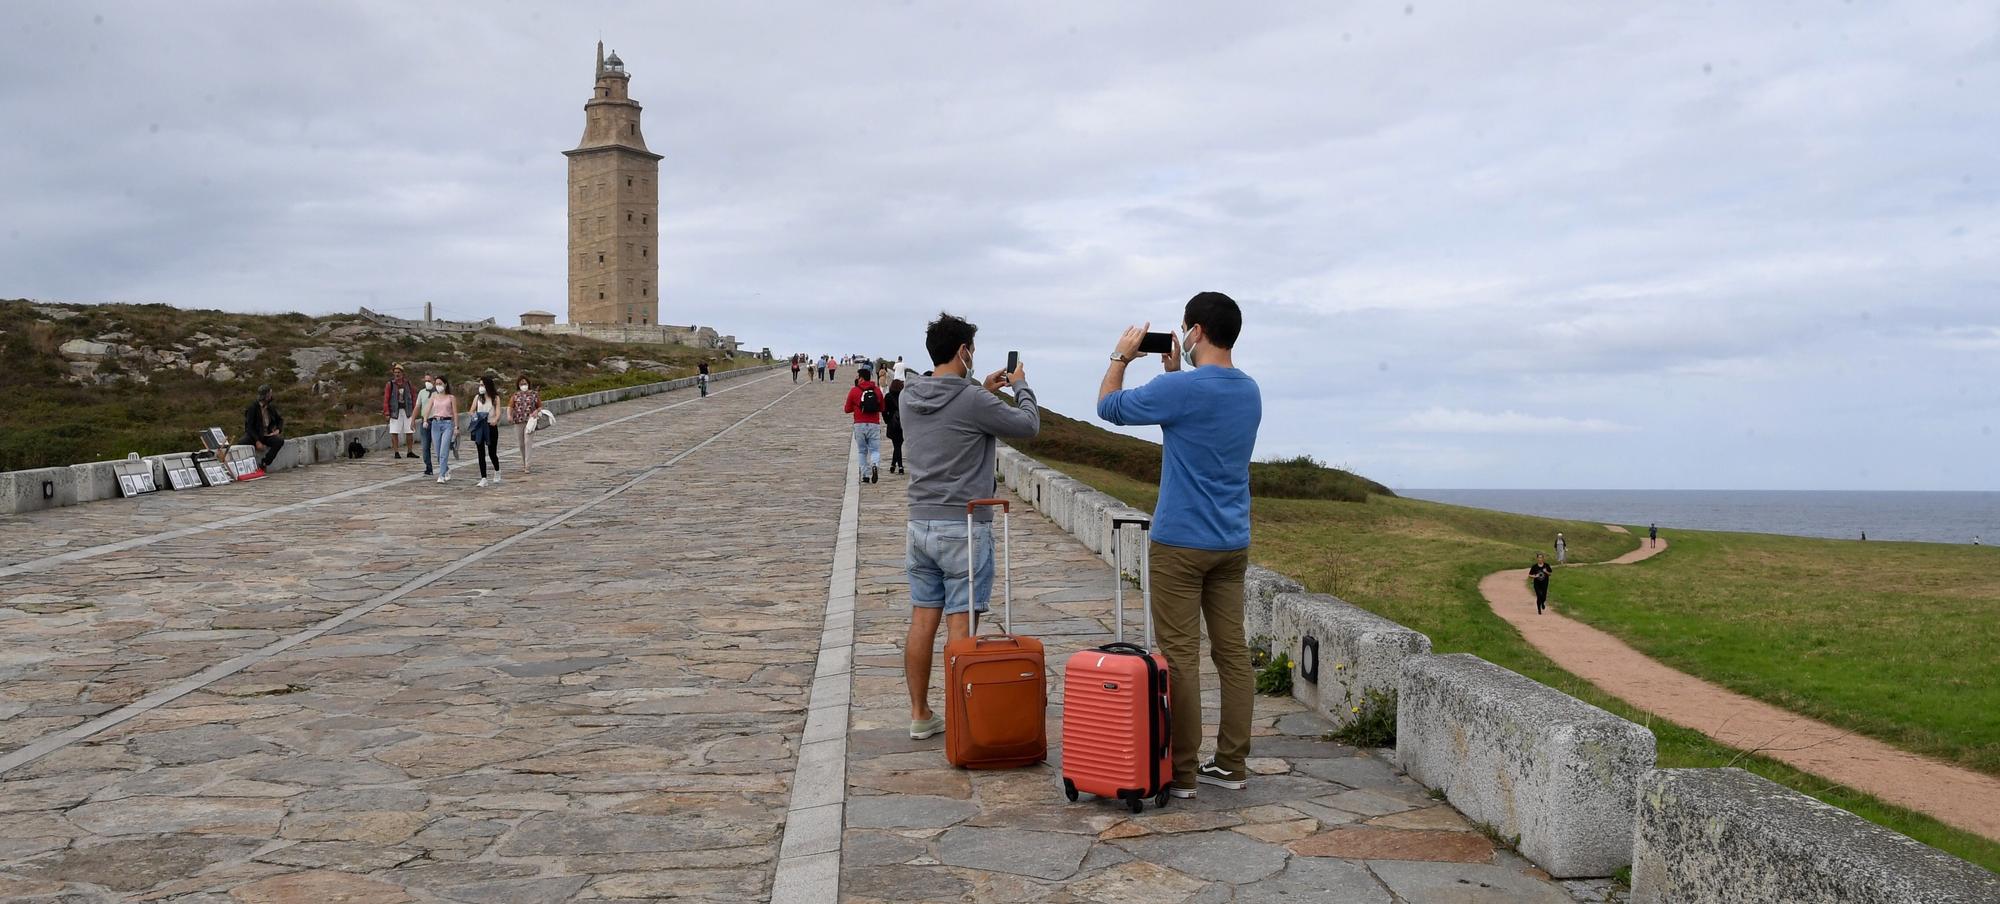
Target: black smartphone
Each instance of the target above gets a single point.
(1156, 344)
(1013, 361)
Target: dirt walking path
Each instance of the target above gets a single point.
(1953, 795)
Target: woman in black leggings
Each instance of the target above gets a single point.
(486, 428)
(1539, 573)
(892, 421)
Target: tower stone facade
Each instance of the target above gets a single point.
(614, 209)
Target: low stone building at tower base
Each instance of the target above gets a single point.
(656, 334)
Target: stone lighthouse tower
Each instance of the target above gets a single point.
(614, 209)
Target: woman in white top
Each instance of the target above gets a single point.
(486, 428)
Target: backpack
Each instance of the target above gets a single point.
(355, 449)
(870, 402)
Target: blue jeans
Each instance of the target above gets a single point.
(424, 436)
(869, 438)
(439, 432)
(935, 558)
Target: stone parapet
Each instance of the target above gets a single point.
(1725, 836)
(45, 488)
(1340, 652)
(1261, 587)
(1534, 764)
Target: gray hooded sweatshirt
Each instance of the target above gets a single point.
(949, 424)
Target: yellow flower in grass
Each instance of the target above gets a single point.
(1357, 709)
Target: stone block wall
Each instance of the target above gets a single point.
(21, 491)
(1725, 836)
(1359, 652)
(1525, 759)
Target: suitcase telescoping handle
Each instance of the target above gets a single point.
(1145, 526)
(1006, 565)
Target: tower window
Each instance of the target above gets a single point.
(628, 216)
(643, 319)
(600, 257)
(633, 129)
(645, 252)
(645, 219)
(628, 184)
(600, 296)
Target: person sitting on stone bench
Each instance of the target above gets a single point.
(263, 426)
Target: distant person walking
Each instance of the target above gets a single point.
(795, 369)
(1539, 573)
(423, 426)
(864, 401)
(486, 429)
(264, 427)
(521, 408)
(1652, 535)
(399, 405)
(442, 416)
(892, 424)
(1562, 549)
(832, 369)
(820, 369)
(1209, 415)
(702, 379)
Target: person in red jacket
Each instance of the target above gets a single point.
(399, 404)
(864, 401)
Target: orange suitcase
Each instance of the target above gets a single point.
(1117, 731)
(996, 686)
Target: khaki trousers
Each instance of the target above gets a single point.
(1190, 587)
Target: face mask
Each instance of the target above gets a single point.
(482, 391)
(1187, 347)
(427, 384)
(967, 358)
(524, 387)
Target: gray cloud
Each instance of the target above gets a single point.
(1761, 238)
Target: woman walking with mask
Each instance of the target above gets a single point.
(522, 408)
(486, 429)
(441, 418)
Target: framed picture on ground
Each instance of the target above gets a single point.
(215, 473)
(183, 475)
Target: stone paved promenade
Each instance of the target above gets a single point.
(350, 684)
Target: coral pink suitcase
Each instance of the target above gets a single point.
(1117, 736)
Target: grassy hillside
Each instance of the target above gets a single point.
(95, 382)
(1419, 563)
(1070, 440)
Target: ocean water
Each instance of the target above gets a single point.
(1944, 517)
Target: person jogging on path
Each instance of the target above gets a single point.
(1562, 549)
(1539, 573)
(399, 405)
(1209, 414)
(864, 401)
(952, 422)
(1652, 534)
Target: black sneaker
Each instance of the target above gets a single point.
(874, 474)
(1211, 774)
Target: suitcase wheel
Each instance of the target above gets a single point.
(1160, 799)
(1138, 804)
(1069, 790)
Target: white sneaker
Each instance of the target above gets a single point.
(496, 478)
(483, 484)
(443, 477)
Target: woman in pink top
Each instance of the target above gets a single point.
(441, 419)
(521, 408)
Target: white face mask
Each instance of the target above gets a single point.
(1187, 346)
(524, 387)
(482, 391)
(967, 358)
(427, 384)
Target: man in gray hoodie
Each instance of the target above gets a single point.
(949, 424)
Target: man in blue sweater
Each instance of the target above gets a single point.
(1201, 527)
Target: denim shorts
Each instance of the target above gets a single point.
(935, 558)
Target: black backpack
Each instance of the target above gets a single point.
(870, 402)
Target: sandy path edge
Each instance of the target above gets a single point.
(1951, 794)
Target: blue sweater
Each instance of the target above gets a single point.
(1209, 416)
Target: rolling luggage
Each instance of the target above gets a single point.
(996, 686)
(1117, 734)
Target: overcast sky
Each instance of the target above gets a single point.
(1741, 245)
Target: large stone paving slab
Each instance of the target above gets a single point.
(608, 709)
(1319, 822)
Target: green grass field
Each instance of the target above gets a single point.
(1897, 641)
(1419, 563)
